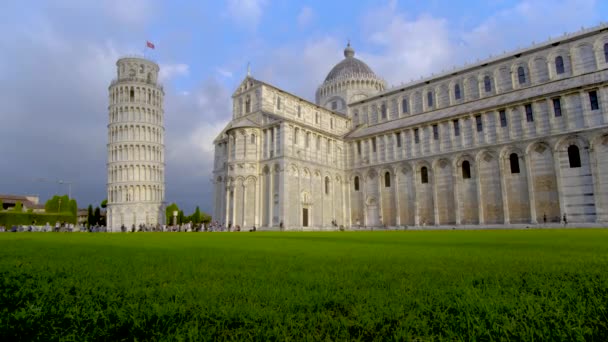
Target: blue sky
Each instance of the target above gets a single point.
(57, 59)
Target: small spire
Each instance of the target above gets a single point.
(248, 69)
(349, 51)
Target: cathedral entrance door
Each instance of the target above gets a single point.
(373, 219)
(305, 217)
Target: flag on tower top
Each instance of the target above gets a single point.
(150, 45)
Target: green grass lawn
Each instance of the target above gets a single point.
(444, 285)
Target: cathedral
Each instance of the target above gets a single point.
(521, 138)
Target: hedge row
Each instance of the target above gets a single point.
(9, 219)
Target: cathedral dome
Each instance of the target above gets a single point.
(349, 67)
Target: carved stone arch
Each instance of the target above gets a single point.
(485, 156)
(457, 162)
(306, 172)
(276, 168)
(507, 150)
(600, 139)
(251, 180)
(371, 174)
(317, 173)
(441, 163)
(293, 169)
(540, 68)
(515, 66)
(405, 168)
(565, 142)
(429, 166)
(266, 169)
(538, 146)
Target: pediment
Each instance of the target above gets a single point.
(247, 84)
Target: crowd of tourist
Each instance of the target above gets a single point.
(69, 227)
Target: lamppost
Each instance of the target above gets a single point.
(174, 217)
(69, 187)
(69, 184)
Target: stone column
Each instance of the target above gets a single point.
(602, 95)
(395, 185)
(435, 195)
(558, 179)
(266, 143)
(531, 196)
(503, 190)
(586, 109)
(595, 173)
(479, 193)
(343, 193)
(258, 185)
(227, 212)
(364, 207)
(456, 182)
(271, 197)
(551, 114)
(509, 112)
(416, 191)
(379, 184)
(281, 198)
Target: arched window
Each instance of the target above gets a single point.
(404, 108)
(514, 161)
(487, 83)
(253, 138)
(424, 175)
(387, 180)
(521, 75)
(383, 110)
(278, 103)
(457, 94)
(606, 52)
(247, 104)
(357, 183)
(327, 185)
(559, 65)
(574, 156)
(466, 170)
(132, 95)
(429, 98)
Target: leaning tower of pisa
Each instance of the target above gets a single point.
(136, 150)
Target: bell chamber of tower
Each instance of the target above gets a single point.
(136, 152)
(349, 81)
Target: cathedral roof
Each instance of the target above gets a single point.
(349, 67)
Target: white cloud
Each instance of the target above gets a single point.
(305, 17)
(410, 48)
(246, 12)
(224, 72)
(301, 67)
(134, 12)
(170, 71)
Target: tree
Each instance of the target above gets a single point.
(1, 205)
(61, 204)
(73, 207)
(104, 203)
(169, 212)
(18, 207)
(196, 217)
(180, 217)
(97, 216)
(205, 218)
(90, 217)
(52, 205)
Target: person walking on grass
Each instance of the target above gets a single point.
(565, 219)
